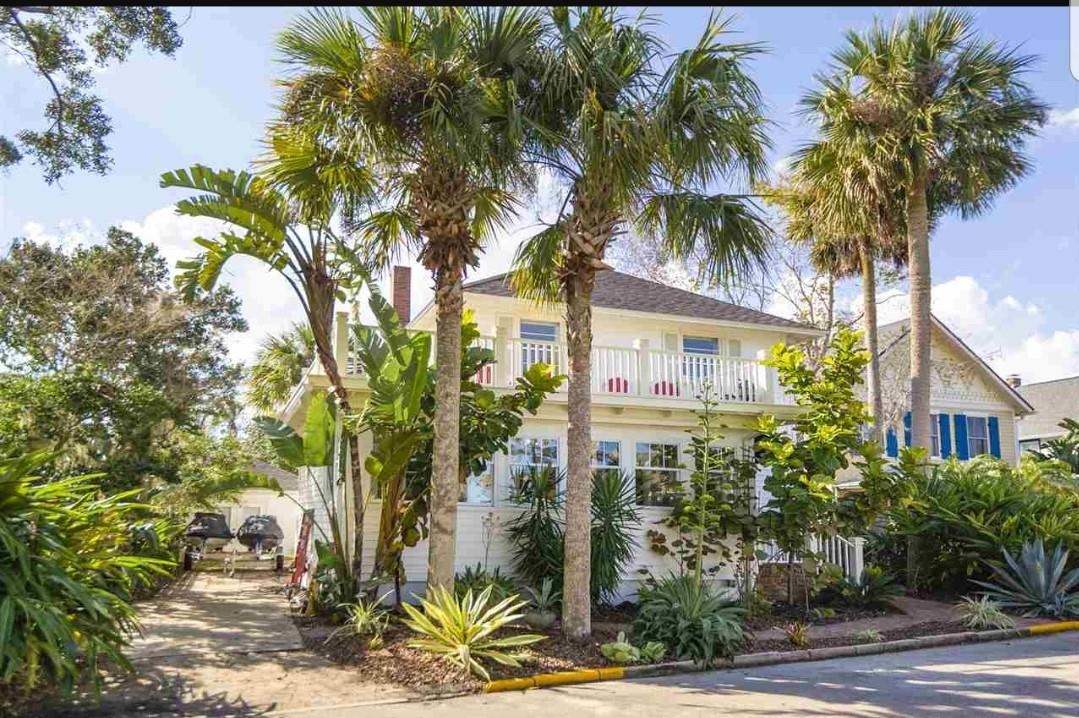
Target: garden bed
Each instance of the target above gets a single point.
(783, 614)
(395, 663)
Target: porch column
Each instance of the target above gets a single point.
(340, 342)
(643, 378)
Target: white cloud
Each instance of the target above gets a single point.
(1007, 332)
(67, 233)
(1067, 119)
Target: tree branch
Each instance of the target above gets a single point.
(58, 123)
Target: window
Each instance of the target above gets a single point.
(657, 474)
(977, 436)
(700, 345)
(538, 345)
(934, 435)
(606, 457)
(526, 454)
(1030, 445)
(698, 362)
(476, 489)
(539, 331)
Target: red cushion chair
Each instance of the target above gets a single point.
(617, 385)
(665, 388)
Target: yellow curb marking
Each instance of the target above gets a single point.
(1058, 627)
(545, 680)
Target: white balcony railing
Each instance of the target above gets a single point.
(635, 372)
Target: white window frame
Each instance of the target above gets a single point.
(596, 465)
(526, 322)
(463, 493)
(934, 436)
(970, 436)
(512, 465)
(676, 470)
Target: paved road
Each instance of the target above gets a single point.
(1026, 677)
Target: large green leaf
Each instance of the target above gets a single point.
(286, 443)
(318, 431)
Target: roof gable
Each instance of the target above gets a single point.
(617, 290)
(891, 334)
(1053, 401)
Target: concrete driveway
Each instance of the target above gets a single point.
(1027, 677)
(215, 645)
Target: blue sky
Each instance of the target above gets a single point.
(1007, 281)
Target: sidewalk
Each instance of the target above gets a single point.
(219, 646)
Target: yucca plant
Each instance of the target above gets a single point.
(462, 629)
(982, 613)
(1034, 585)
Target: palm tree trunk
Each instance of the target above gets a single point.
(920, 296)
(869, 308)
(576, 596)
(449, 300)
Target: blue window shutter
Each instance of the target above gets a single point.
(891, 446)
(906, 429)
(945, 435)
(994, 436)
(961, 448)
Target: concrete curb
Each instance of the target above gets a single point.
(752, 660)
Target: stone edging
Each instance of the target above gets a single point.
(593, 675)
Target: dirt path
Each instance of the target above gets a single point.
(219, 646)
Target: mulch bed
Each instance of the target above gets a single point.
(428, 674)
(782, 614)
(928, 628)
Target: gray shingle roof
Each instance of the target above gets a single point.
(287, 480)
(616, 290)
(1053, 401)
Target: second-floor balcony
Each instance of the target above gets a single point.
(635, 371)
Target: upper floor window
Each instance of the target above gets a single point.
(934, 435)
(657, 474)
(977, 436)
(539, 331)
(700, 345)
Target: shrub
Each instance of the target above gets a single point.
(620, 650)
(546, 598)
(869, 635)
(965, 513)
(68, 568)
(689, 619)
(797, 634)
(365, 618)
(877, 589)
(1034, 585)
(983, 613)
(479, 578)
(462, 629)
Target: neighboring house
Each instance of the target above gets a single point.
(285, 509)
(654, 347)
(973, 410)
(1053, 402)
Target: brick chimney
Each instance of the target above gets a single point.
(401, 288)
(1014, 381)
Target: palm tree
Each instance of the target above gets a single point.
(279, 366)
(944, 115)
(282, 217)
(847, 235)
(633, 142)
(432, 98)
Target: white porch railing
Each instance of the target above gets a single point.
(627, 371)
(847, 554)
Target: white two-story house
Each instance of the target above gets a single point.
(654, 348)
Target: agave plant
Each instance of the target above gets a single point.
(1034, 585)
(462, 629)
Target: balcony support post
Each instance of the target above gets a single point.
(340, 343)
(643, 378)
